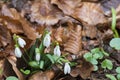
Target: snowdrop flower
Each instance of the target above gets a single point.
(21, 42)
(18, 52)
(46, 41)
(67, 68)
(37, 56)
(57, 51)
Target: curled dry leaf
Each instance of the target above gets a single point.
(84, 69)
(47, 75)
(87, 10)
(43, 12)
(5, 36)
(12, 60)
(73, 45)
(28, 30)
(67, 6)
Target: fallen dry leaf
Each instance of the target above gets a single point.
(2, 68)
(87, 10)
(47, 75)
(73, 45)
(43, 12)
(67, 6)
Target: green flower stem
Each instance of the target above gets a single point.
(27, 54)
(24, 59)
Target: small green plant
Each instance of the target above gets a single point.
(107, 64)
(94, 55)
(114, 77)
(115, 43)
(37, 58)
(11, 78)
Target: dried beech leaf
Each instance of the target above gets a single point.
(12, 61)
(84, 70)
(5, 36)
(67, 6)
(87, 10)
(43, 12)
(47, 75)
(28, 30)
(73, 45)
(13, 25)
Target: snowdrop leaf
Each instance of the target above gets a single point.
(51, 58)
(41, 64)
(33, 64)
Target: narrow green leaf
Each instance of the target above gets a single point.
(42, 64)
(25, 71)
(110, 76)
(51, 58)
(34, 64)
(113, 19)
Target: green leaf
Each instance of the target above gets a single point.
(1, 71)
(95, 67)
(11, 78)
(115, 43)
(42, 64)
(107, 64)
(88, 56)
(95, 50)
(113, 19)
(118, 76)
(118, 70)
(34, 64)
(96, 56)
(51, 58)
(25, 71)
(110, 76)
(93, 61)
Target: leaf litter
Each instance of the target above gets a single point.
(78, 26)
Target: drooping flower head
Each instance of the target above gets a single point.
(37, 54)
(67, 68)
(47, 39)
(57, 51)
(18, 52)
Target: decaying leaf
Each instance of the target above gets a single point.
(47, 75)
(28, 30)
(84, 70)
(12, 60)
(67, 6)
(73, 45)
(43, 12)
(5, 36)
(1, 69)
(87, 10)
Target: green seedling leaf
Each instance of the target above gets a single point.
(110, 76)
(51, 58)
(34, 64)
(107, 64)
(25, 71)
(93, 61)
(95, 50)
(118, 70)
(118, 76)
(42, 64)
(105, 53)
(88, 56)
(96, 56)
(115, 43)
(11, 78)
(95, 67)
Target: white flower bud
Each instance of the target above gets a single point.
(57, 51)
(37, 57)
(21, 42)
(46, 41)
(18, 52)
(67, 68)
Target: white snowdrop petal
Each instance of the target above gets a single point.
(46, 41)
(18, 52)
(37, 57)
(57, 51)
(21, 42)
(67, 68)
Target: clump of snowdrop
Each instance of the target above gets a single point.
(19, 42)
(67, 68)
(57, 51)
